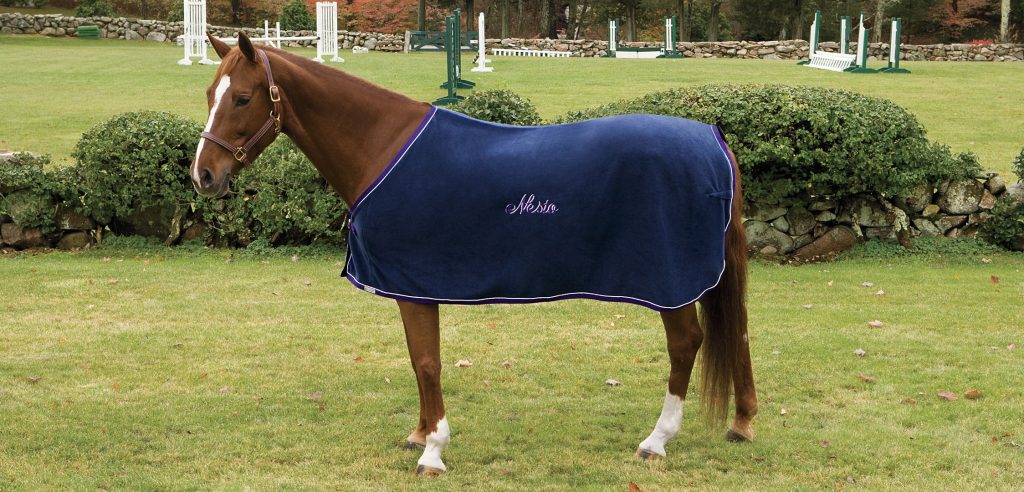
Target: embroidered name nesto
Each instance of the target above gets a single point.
(527, 206)
(634, 209)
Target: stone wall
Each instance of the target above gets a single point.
(825, 227)
(136, 29)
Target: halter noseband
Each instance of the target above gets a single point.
(240, 153)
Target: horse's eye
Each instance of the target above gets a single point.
(242, 101)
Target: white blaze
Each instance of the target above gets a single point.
(667, 426)
(436, 441)
(222, 87)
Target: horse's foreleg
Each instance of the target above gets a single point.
(742, 429)
(684, 335)
(422, 334)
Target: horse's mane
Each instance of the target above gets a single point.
(333, 76)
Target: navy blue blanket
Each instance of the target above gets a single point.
(628, 208)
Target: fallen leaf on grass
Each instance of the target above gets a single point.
(464, 363)
(946, 395)
(824, 443)
(33, 379)
(995, 279)
(782, 411)
(909, 401)
(307, 283)
(613, 382)
(225, 390)
(808, 306)
(1011, 346)
(866, 379)
(315, 396)
(492, 326)
(112, 281)
(859, 353)
(972, 394)
(387, 380)
(506, 364)
(634, 487)
(880, 292)
(358, 358)
(830, 283)
(876, 324)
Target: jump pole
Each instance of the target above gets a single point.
(860, 65)
(613, 38)
(894, 49)
(815, 32)
(481, 55)
(671, 34)
(844, 35)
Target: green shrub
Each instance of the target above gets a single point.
(26, 191)
(94, 8)
(796, 142)
(499, 106)
(1005, 225)
(135, 160)
(296, 17)
(280, 199)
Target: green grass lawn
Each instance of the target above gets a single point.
(54, 89)
(159, 369)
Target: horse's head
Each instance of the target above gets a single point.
(245, 111)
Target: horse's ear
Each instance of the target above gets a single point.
(219, 46)
(246, 46)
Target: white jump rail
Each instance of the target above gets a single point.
(836, 62)
(540, 53)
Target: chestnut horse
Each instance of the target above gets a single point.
(350, 129)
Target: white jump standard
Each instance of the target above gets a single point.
(195, 33)
(481, 54)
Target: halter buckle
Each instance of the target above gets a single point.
(277, 121)
(240, 154)
(275, 94)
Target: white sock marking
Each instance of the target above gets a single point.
(436, 441)
(222, 87)
(667, 426)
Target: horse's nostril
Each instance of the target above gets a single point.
(205, 178)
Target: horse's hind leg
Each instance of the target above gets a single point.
(422, 333)
(684, 335)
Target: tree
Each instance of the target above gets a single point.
(713, 20)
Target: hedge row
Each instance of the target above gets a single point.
(131, 172)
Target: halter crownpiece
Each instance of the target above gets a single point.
(240, 153)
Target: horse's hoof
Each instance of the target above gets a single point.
(736, 436)
(413, 446)
(428, 471)
(647, 455)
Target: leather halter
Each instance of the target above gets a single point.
(274, 121)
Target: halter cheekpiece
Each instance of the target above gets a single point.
(274, 121)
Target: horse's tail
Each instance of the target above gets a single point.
(723, 315)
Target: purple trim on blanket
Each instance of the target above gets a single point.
(394, 160)
(502, 300)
